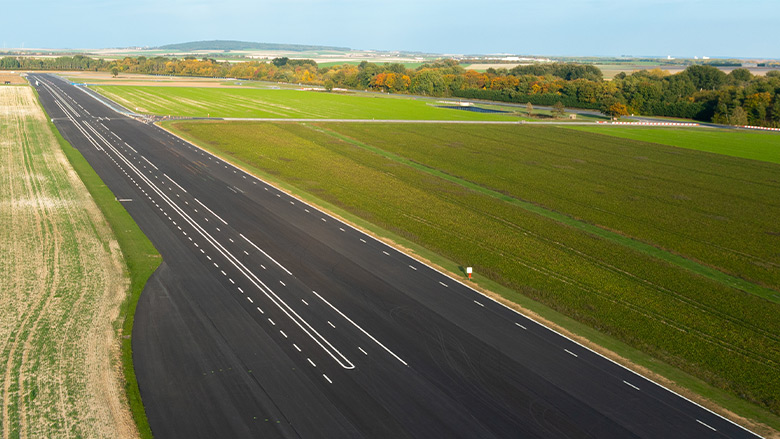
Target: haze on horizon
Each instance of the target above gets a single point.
(680, 28)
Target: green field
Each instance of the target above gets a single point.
(764, 146)
(703, 326)
(260, 103)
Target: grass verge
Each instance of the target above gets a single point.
(142, 260)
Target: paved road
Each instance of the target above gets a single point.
(270, 318)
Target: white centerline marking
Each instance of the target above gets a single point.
(413, 268)
(572, 353)
(311, 362)
(261, 311)
(305, 302)
(250, 299)
(331, 325)
(272, 322)
(326, 377)
(443, 284)
(282, 332)
(386, 253)
(296, 347)
(283, 284)
(361, 350)
(520, 325)
(480, 304)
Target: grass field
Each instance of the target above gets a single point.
(260, 103)
(764, 146)
(62, 285)
(718, 333)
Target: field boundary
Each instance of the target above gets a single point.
(714, 400)
(140, 257)
(632, 243)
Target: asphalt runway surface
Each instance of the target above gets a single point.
(269, 318)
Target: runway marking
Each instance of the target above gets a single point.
(361, 329)
(208, 257)
(152, 164)
(305, 302)
(702, 423)
(266, 254)
(263, 267)
(232, 281)
(326, 377)
(250, 299)
(386, 253)
(261, 311)
(196, 244)
(218, 230)
(362, 240)
(311, 362)
(239, 289)
(246, 253)
(201, 250)
(480, 304)
(172, 181)
(342, 229)
(282, 332)
(413, 268)
(234, 191)
(292, 203)
(361, 350)
(572, 353)
(283, 284)
(211, 211)
(306, 210)
(223, 272)
(443, 284)
(272, 322)
(331, 325)
(296, 347)
(283, 306)
(231, 240)
(520, 325)
(324, 220)
(635, 387)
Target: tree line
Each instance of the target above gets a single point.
(700, 92)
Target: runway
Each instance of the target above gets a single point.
(270, 318)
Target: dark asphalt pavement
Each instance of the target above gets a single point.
(269, 318)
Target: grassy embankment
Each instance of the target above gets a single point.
(700, 325)
(263, 103)
(140, 257)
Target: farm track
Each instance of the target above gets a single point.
(61, 285)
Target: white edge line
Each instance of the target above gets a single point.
(494, 300)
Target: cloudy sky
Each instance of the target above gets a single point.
(680, 28)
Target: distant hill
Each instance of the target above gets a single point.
(244, 45)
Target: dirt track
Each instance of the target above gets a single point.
(61, 284)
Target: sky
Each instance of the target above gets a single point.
(679, 28)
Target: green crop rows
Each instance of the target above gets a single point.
(721, 334)
(284, 103)
(718, 210)
(753, 145)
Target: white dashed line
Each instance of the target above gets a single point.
(331, 325)
(362, 240)
(305, 302)
(283, 284)
(702, 423)
(572, 353)
(311, 362)
(250, 299)
(296, 347)
(326, 377)
(386, 253)
(629, 384)
(480, 304)
(520, 325)
(413, 268)
(443, 284)
(361, 350)
(272, 322)
(282, 332)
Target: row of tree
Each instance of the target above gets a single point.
(700, 92)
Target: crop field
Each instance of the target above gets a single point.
(432, 185)
(284, 103)
(61, 287)
(12, 78)
(717, 210)
(755, 145)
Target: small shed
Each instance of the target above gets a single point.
(573, 116)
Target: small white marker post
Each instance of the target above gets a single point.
(469, 271)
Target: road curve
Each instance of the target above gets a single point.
(271, 318)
